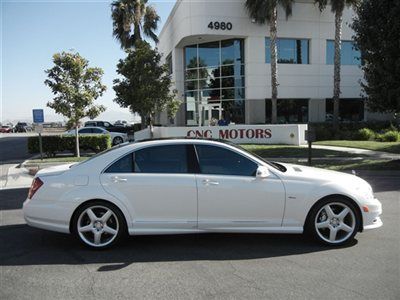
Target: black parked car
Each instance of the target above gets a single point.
(108, 126)
(23, 127)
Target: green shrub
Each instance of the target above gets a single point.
(389, 136)
(349, 131)
(364, 134)
(59, 143)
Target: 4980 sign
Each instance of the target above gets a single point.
(220, 25)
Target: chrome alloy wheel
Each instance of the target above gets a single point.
(98, 226)
(335, 222)
(117, 140)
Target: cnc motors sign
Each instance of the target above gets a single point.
(290, 134)
(231, 134)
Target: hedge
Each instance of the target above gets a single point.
(59, 143)
(354, 131)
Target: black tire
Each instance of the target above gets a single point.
(318, 215)
(117, 140)
(115, 222)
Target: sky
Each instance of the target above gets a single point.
(32, 31)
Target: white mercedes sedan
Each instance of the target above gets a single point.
(116, 137)
(178, 186)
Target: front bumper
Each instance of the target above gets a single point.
(371, 219)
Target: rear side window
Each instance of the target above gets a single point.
(221, 161)
(123, 165)
(162, 159)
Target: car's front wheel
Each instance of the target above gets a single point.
(99, 224)
(334, 221)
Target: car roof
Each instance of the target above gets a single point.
(90, 127)
(183, 140)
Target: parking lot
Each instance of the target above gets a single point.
(37, 264)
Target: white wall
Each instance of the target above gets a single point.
(291, 134)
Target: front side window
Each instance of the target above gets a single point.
(161, 159)
(349, 55)
(221, 161)
(290, 51)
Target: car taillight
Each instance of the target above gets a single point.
(36, 184)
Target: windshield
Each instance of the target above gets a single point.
(275, 165)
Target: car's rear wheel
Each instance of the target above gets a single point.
(334, 221)
(117, 140)
(99, 224)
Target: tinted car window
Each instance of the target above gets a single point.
(220, 161)
(123, 165)
(161, 159)
(97, 130)
(85, 130)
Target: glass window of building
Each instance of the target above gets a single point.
(168, 62)
(290, 51)
(350, 110)
(214, 82)
(349, 55)
(289, 111)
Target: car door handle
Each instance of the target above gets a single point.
(118, 179)
(210, 182)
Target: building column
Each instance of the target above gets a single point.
(255, 111)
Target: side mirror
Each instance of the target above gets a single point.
(262, 172)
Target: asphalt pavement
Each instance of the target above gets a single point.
(37, 264)
(13, 149)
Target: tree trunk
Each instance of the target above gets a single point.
(151, 126)
(336, 71)
(274, 64)
(136, 25)
(77, 139)
(142, 122)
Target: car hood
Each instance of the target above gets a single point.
(317, 175)
(55, 170)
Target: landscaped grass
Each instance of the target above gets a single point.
(293, 151)
(392, 147)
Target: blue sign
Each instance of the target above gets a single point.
(38, 116)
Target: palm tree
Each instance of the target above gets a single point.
(265, 11)
(133, 19)
(337, 7)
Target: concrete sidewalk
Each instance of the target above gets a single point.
(370, 153)
(14, 176)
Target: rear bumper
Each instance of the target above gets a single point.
(45, 216)
(371, 219)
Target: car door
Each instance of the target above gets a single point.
(159, 185)
(229, 194)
